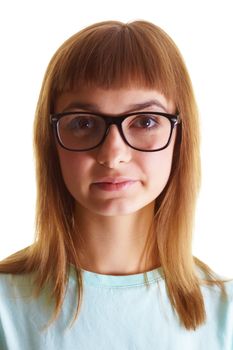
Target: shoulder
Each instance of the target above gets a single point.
(214, 291)
(229, 290)
(217, 286)
(217, 295)
(16, 285)
(22, 314)
(209, 282)
(19, 297)
(219, 306)
(16, 294)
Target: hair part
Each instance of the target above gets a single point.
(113, 54)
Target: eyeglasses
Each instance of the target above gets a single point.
(143, 131)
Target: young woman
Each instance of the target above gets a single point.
(118, 172)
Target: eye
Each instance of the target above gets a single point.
(81, 123)
(146, 121)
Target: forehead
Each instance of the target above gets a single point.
(113, 101)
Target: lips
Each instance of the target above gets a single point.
(114, 183)
(114, 180)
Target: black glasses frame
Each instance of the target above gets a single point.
(116, 120)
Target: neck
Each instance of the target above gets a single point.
(116, 245)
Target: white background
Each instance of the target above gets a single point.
(31, 31)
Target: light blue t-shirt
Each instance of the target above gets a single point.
(118, 313)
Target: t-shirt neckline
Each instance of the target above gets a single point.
(97, 279)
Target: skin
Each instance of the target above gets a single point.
(113, 227)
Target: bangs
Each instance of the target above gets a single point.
(116, 55)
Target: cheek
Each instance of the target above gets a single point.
(74, 166)
(158, 169)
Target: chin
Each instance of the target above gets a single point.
(119, 209)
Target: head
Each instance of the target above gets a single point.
(110, 56)
(114, 57)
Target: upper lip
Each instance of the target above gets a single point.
(114, 180)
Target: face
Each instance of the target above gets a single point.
(93, 177)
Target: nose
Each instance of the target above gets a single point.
(113, 150)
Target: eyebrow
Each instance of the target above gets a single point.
(132, 108)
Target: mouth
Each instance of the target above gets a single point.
(115, 180)
(114, 186)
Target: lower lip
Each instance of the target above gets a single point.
(106, 186)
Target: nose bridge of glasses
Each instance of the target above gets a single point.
(117, 121)
(113, 121)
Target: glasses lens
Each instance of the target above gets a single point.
(80, 131)
(147, 131)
